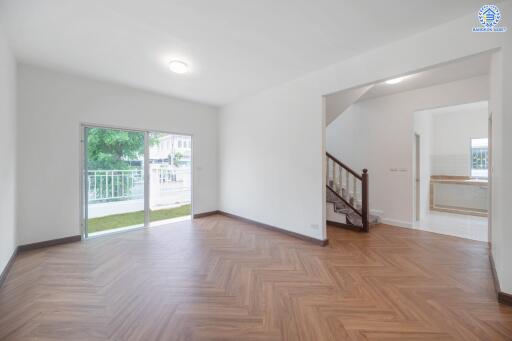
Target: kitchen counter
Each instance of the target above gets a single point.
(459, 194)
(464, 180)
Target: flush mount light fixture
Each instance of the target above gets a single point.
(178, 66)
(395, 80)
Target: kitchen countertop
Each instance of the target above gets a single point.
(458, 180)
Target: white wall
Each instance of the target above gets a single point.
(290, 119)
(382, 140)
(52, 106)
(500, 102)
(270, 162)
(453, 129)
(7, 152)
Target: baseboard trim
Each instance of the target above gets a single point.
(51, 242)
(494, 274)
(33, 246)
(394, 222)
(276, 229)
(205, 214)
(503, 297)
(8, 266)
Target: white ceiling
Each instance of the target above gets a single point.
(338, 102)
(457, 70)
(481, 106)
(234, 47)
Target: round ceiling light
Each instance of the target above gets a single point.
(395, 80)
(178, 66)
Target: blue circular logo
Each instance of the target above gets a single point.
(489, 15)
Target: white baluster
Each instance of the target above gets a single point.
(347, 187)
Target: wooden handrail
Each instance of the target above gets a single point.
(364, 212)
(350, 170)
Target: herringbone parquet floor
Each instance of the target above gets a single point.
(219, 279)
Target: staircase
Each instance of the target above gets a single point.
(347, 196)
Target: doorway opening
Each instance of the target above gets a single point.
(380, 126)
(134, 179)
(451, 170)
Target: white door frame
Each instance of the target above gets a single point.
(417, 177)
(489, 180)
(146, 179)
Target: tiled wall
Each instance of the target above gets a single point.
(450, 165)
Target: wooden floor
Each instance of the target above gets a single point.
(219, 279)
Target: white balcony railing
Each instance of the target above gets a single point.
(167, 185)
(114, 185)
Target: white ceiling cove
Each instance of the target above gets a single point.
(234, 47)
(473, 66)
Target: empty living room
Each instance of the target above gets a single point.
(255, 170)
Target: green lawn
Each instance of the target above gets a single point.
(134, 218)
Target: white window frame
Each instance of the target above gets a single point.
(83, 175)
(471, 169)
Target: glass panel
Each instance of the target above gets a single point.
(115, 179)
(170, 161)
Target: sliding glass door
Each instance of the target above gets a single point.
(170, 176)
(118, 195)
(114, 179)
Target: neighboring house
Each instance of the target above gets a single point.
(170, 145)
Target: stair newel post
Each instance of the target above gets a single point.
(364, 198)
